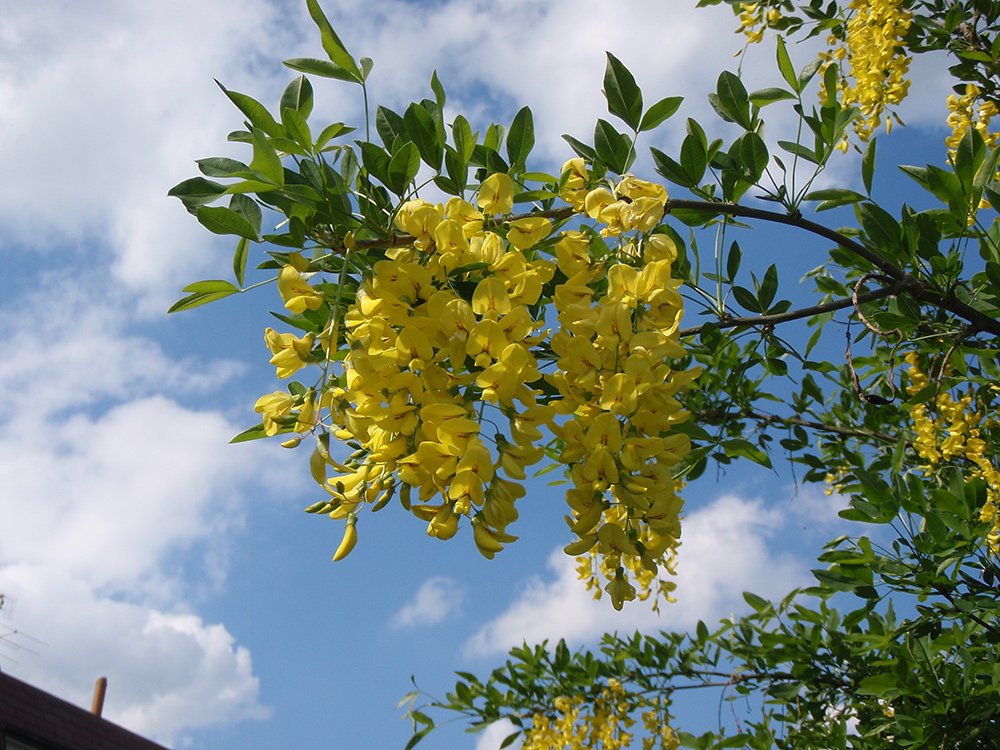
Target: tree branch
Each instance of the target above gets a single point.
(805, 312)
(911, 285)
(818, 426)
(907, 283)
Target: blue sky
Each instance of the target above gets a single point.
(135, 542)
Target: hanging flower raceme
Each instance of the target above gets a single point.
(445, 388)
(755, 18)
(877, 61)
(948, 429)
(971, 111)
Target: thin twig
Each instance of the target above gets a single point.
(805, 312)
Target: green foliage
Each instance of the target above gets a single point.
(897, 638)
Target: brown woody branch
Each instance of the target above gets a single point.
(907, 283)
(805, 312)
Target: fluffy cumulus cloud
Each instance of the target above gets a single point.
(97, 513)
(493, 736)
(729, 546)
(107, 106)
(167, 671)
(119, 501)
(437, 599)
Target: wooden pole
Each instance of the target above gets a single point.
(100, 687)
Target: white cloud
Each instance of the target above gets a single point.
(437, 598)
(167, 671)
(100, 515)
(728, 548)
(118, 504)
(80, 351)
(495, 734)
(106, 109)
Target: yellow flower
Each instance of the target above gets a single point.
(575, 188)
(291, 354)
(296, 292)
(465, 214)
(419, 218)
(528, 232)
(573, 252)
(877, 58)
(490, 299)
(496, 194)
(272, 407)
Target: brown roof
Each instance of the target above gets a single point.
(30, 714)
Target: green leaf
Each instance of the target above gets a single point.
(785, 66)
(334, 48)
(250, 186)
(265, 159)
(622, 92)
(210, 286)
(366, 67)
(747, 299)
(389, 126)
(868, 165)
(240, 259)
(759, 604)
(880, 685)
(196, 191)
(321, 68)
(799, 150)
(763, 97)
(739, 448)
(969, 156)
(297, 128)
(733, 260)
(220, 166)
(423, 132)
(659, 112)
(298, 95)
(330, 132)
(580, 148)
(255, 112)
(509, 739)
(807, 73)
(694, 158)
(834, 197)
(203, 292)
(768, 287)
(830, 77)
(222, 220)
(731, 100)
(465, 139)
(438, 89)
(614, 149)
(753, 155)
(670, 169)
(254, 433)
(403, 167)
(881, 228)
(375, 161)
(520, 138)
(248, 209)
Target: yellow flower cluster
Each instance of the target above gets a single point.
(601, 724)
(441, 393)
(618, 389)
(953, 428)
(877, 59)
(755, 18)
(424, 359)
(970, 111)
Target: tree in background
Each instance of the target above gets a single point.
(455, 318)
